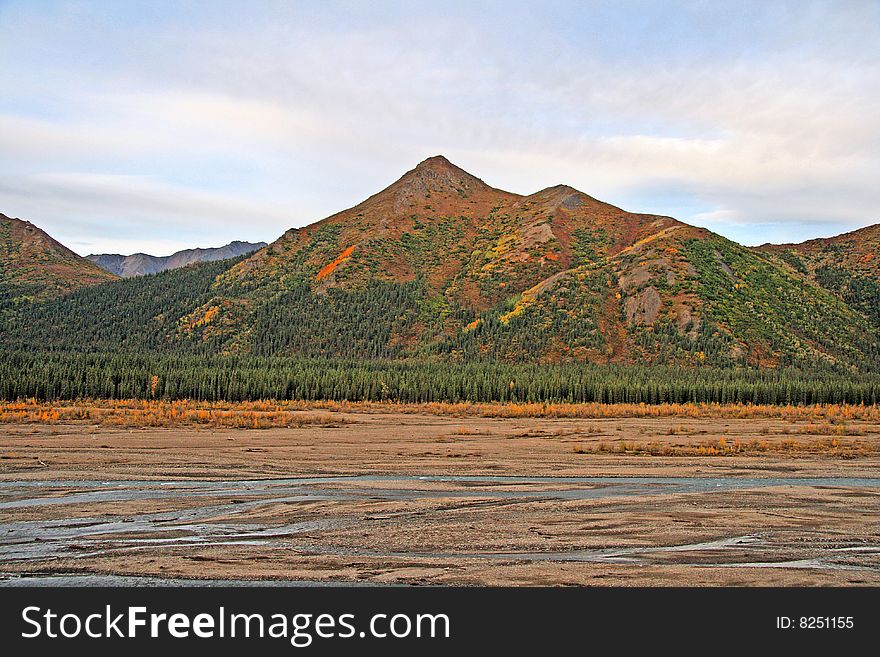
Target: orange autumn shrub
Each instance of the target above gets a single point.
(821, 419)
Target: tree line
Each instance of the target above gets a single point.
(66, 375)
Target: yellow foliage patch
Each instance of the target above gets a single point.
(208, 317)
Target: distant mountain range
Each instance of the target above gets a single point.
(442, 266)
(141, 264)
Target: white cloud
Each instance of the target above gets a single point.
(140, 244)
(145, 197)
(770, 118)
(120, 210)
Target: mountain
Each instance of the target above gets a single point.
(441, 266)
(35, 266)
(140, 264)
(847, 265)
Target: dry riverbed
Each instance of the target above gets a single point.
(424, 498)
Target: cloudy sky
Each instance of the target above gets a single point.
(160, 125)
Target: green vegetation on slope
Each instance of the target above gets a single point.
(779, 317)
(861, 293)
(771, 316)
(846, 265)
(129, 315)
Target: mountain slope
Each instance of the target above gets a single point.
(137, 314)
(141, 264)
(475, 243)
(35, 266)
(847, 265)
(857, 251)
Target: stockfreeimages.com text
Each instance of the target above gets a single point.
(300, 629)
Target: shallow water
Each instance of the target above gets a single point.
(10, 580)
(213, 520)
(314, 488)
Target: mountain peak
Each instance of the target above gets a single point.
(437, 174)
(435, 162)
(437, 183)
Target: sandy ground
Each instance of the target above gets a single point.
(506, 501)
